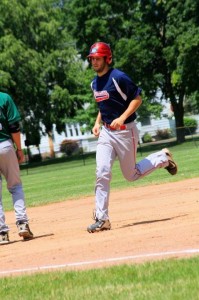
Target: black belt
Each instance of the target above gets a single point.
(122, 127)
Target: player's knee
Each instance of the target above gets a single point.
(15, 187)
(133, 176)
(103, 172)
(128, 177)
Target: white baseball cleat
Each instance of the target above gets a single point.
(99, 225)
(4, 238)
(172, 167)
(24, 231)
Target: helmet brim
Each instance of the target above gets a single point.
(96, 55)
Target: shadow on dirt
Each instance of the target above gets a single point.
(28, 240)
(152, 221)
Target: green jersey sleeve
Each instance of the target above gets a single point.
(12, 111)
(8, 115)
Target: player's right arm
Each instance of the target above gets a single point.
(96, 127)
(133, 106)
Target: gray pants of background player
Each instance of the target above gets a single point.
(9, 168)
(121, 144)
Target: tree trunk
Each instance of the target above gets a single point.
(51, 144)
(178, 110)
(180, 135)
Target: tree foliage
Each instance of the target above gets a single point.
(44, 44)
(154, 41)
(39, 64)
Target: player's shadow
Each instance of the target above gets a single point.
(152, 221)
(38, 237)
(25, 241)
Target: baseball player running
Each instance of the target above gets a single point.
(118, 99)
(9, 167)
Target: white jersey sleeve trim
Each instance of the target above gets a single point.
(124, 96)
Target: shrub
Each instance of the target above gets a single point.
(35, 158)
(69, 147)
(163, 134)
(147, 138)
(190, 125)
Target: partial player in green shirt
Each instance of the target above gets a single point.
(11, 155)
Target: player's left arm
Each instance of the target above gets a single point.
(13, 118)
(16, 137)
(133, 106)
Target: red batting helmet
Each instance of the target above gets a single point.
(101, 49)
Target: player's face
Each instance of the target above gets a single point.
(99, 65)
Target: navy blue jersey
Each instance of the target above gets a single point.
(113, 93)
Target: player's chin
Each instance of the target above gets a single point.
(96, 68)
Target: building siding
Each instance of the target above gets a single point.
(87, 140)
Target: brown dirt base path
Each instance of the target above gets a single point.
(148, 223)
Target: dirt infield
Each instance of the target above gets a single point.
(148, 223)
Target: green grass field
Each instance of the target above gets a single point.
(73, 180)
(168, 279)
(164, 280)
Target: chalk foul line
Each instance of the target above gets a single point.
(104, 260)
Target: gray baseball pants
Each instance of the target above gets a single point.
(9, 168)
(121, 144)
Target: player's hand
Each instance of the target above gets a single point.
(117, 123)
(96, 129)
(20, 156)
